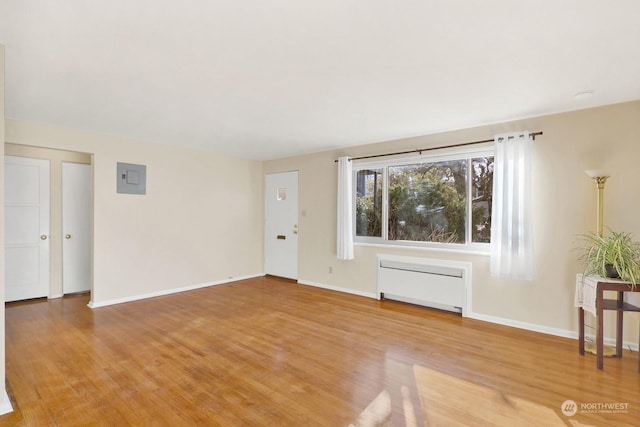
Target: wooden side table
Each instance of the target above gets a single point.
(619, 305)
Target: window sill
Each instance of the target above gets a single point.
(461, 251)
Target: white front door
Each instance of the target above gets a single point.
(281, 225)
(26, 207)
(76, 227)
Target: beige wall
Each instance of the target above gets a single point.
(200, 221)
(564, 200)
(55, 157)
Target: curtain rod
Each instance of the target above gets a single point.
(420, 150)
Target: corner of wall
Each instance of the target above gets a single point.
(5, 403)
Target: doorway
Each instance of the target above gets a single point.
(281, 225)
(56, 241)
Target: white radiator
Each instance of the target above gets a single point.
(431, 282)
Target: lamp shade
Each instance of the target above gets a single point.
(597, 173)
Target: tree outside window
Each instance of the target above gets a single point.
(482, 197)
(369, 202)
(427, 202)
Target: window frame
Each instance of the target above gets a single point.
(465, 154)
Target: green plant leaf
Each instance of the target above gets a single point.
(618, 250)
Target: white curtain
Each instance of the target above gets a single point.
(512, 222)
(345, 209)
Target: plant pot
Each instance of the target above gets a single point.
(611, 271)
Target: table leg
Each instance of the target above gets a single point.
(599, 330)
(619, 325)
(581, 330)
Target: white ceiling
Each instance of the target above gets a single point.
(265, 79)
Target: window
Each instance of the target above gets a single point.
(437, 201)
(369, 202)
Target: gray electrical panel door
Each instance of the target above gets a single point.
(132, 179)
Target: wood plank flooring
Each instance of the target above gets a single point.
(266, 352)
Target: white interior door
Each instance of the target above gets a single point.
(26, 207)
(281, 225)
(76, 227)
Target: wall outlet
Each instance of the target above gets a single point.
(330, 270)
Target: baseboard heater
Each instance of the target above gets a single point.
(433, 283)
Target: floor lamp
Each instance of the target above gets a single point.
(600, 177)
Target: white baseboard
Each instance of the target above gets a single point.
(168, 291)
(5, 404)
(338, 289)
(611, 342)
(472, 315)
(547, 330)
(491, 319)
(524, 325)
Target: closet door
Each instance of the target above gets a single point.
(26, 206)
(76, 227)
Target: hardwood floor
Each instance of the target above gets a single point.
(270, 352)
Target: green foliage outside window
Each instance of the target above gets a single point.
(427, 202)
(369, 203)
(482, 192)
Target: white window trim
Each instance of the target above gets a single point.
(473, 248)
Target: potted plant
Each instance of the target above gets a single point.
(614, 256)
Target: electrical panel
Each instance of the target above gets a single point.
(132, 179)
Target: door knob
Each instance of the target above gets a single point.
(43, 237)
(67, 236)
